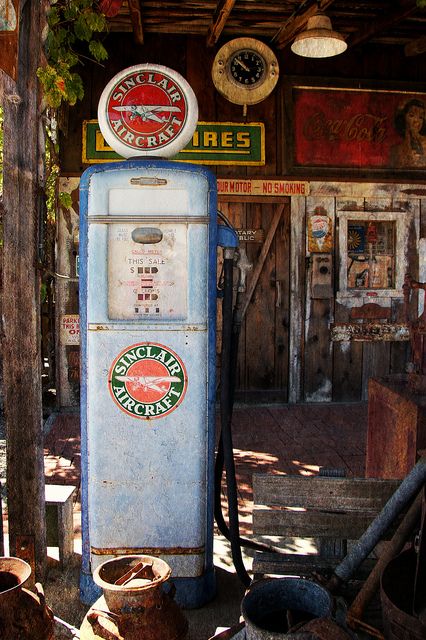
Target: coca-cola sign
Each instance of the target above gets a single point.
(344, 128)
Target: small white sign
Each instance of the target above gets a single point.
(70, 329)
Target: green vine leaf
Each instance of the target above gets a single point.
(71, 24)
(98, 50)
(65, 199)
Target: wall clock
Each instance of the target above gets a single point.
(245, 71)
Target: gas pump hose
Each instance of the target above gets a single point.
(231, 326)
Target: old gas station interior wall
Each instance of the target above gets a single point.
(288, 351)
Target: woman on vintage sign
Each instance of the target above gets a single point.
(410, 122)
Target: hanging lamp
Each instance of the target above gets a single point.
(319, 40)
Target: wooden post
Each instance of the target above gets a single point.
(21, 335)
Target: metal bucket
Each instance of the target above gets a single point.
(273, 606)
(397, 596)
(135, 603)
(23, 614)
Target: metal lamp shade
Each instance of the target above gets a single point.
(319, 40)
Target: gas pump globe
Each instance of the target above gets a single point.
(148, 243)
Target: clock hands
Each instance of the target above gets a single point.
(241, 63)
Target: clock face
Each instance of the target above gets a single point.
(247, 67)
(245, 71)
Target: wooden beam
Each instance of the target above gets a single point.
(136, 18)
(402, 10)
(22, 204)
(296, 23)
(220, 16)
(415, 47)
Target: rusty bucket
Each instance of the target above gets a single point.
(273, 606)
(23, 614)
(137, 602)
(397, 598)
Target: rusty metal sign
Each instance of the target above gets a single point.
(371, 331)
(9, 36)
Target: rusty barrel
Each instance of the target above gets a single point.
(23, 614)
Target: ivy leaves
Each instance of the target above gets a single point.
(71, 24)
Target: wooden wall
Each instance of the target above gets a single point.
(286, 349)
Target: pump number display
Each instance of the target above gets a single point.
(147, 272)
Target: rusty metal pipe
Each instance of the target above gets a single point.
(361, 549)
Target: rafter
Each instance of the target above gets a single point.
(402, 10)
(136, 18)
(296, 22)
(220, 16)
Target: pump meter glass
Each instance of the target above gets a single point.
(147, 271)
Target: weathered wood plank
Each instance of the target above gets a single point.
(279, 522)
(337, 494)
(297, 564)
(21, 298)
(375, 362)
(319, 507)
(221, 14)
(347, 362)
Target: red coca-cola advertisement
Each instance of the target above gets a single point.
(358, 128)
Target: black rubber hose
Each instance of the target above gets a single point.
(226, 414)
(226, 431)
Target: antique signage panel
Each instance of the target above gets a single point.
(9, 35)
(212, 143)
(261, 187)
(370, 331)
(226, 143)
(353, 128)
(147, 110)
(147, 380)
(320, 232)
(69, 332)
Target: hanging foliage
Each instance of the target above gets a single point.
(71, 25)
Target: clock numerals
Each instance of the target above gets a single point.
(247, 68)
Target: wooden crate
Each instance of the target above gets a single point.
(324, 508)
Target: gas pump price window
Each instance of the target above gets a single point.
(147, 271)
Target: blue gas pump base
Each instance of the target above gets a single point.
(191, 593)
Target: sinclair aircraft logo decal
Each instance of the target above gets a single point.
(148, 110)
(147, 380)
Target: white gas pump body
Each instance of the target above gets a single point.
(148, 241)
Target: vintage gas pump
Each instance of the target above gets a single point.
(148, 244)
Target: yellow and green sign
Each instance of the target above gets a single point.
(231, 143)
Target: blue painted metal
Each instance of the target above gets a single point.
(148, 484)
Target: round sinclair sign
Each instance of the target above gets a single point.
(147, 380)
(148, 110)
